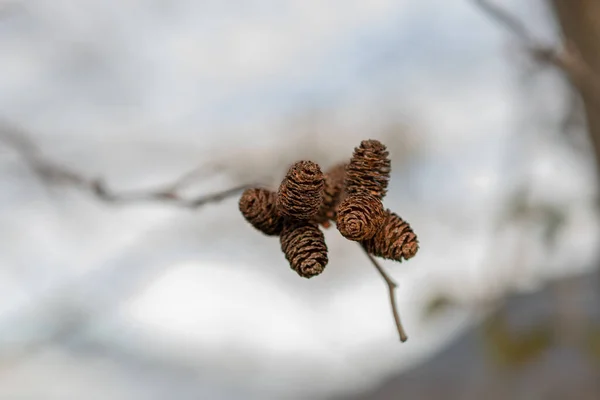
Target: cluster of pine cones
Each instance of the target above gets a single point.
(350, 194)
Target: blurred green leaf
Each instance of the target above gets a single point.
(554, 219)
(593, 343)
(514, 349)
(438, 305)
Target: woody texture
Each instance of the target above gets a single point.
(303, 245)
(395, 240)
(300, 194)
(332, 194)
(258, 206)
(299, 199)
(369, 170)
(350, 195)
(360, 216)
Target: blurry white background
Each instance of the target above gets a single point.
(161, 302)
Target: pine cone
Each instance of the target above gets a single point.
(394, 241)
(369, 169)
(360, 216)
(258, 207)
(304, 247)
(300, 194)
(332, 194)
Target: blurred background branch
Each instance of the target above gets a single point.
(52, 173)
(580, 24)
(578, 58)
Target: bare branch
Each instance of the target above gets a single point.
(392, 285)
(567, 58)
(505, 19)
(50, 172)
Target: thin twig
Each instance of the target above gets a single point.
(509, 21)
(392, 285)
(50, 172)
(100, 190)
(566, 58)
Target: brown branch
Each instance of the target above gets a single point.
(568, 59)
(50, 172)
(392, 285)
(579, 24)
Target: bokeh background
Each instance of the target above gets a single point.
(493, 167)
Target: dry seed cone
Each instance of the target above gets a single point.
(360, 216)
(395, 240)
(258, 207)
(303, 245)
(369, 169)
(332, 194)
(300, 194)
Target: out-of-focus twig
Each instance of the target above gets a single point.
(53, 173)
(392, 285)
(509, 21)
(579, 59)
(566, 58)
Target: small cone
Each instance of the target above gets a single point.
(369, 170)
(300, 194)
(395, 240)
(360, 216)
(258, 207)
(332, 194)
(303, 245)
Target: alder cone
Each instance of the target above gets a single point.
(258, 206)
(300, 194)
(303, 245)
(332, 194)
(360, 216)
(369, 169)
(395, 239)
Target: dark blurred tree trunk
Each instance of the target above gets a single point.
(580, 24)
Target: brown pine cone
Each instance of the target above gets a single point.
(369, 169)
(360, 216)
(394, 241)
(332, 194)
(258, 207)
(300, 194)
(304, 247)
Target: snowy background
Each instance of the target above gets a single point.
(149, 301)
